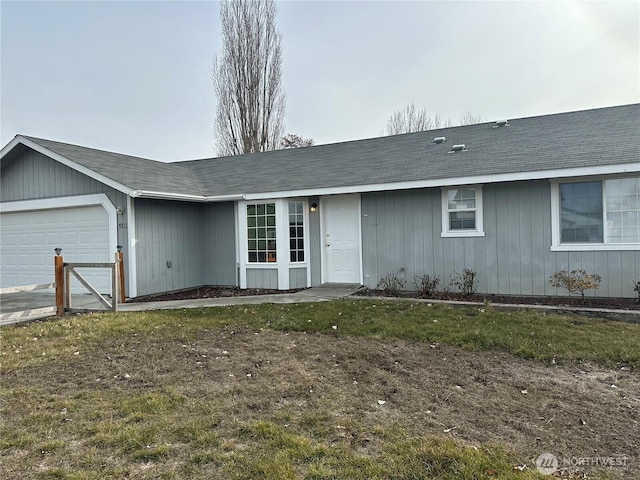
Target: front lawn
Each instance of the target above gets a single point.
(344, 389)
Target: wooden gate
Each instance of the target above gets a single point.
(63, 272)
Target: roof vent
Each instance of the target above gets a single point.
(458, 148)
(439, 139)
(502, 123)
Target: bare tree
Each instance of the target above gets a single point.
(247, 79)
(409, 120)
(470, 118)
(293, 140)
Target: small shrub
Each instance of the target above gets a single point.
(636, 288)
(466, 281)
(391, 284)
(575, 281)
(426, 284)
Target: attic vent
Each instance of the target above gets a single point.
(458, 148)
(502, 123)
(439, 139)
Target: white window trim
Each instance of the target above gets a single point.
(479, 230)
(283, 260)
(556, 246)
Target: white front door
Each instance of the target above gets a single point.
(341, 239)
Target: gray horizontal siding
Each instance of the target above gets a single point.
(220, 244)
(297, 278)
(401, 234)
(262, 278)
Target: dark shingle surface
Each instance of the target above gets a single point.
(133, 172)
(589, 138)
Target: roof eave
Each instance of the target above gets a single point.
(186, 197)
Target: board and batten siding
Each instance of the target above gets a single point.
(315, 244)
(298, 277)
(401, 233)
(183, 245)
(220, 244)
(169, 249)
(262, 278)
(33, 175)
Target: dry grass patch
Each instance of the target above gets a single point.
(250, 393)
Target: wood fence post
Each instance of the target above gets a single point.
(58, 264)
(115, 284)
(67, 290)
(120, 260)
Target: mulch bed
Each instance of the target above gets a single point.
(572, 302)
(209, 292)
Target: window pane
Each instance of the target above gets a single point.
(261, 232)
(581, 213)
(462, 221)
(296, 231)
(461, 199)
(623, 210)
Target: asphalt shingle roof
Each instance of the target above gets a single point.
(588, 138)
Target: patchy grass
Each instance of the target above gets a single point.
(395, 390)
(526, 333)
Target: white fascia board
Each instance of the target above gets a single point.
(450, 182)
(185, 197)
(9, 146)
(65, 161)
(132, 257)
(58, 202)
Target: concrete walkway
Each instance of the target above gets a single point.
(16, 302)
(322, 293)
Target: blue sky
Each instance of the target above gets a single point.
(135, 77)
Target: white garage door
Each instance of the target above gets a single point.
(28, 239)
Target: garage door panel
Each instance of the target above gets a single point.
(28, 240)
(39, 239)
(24, 261)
